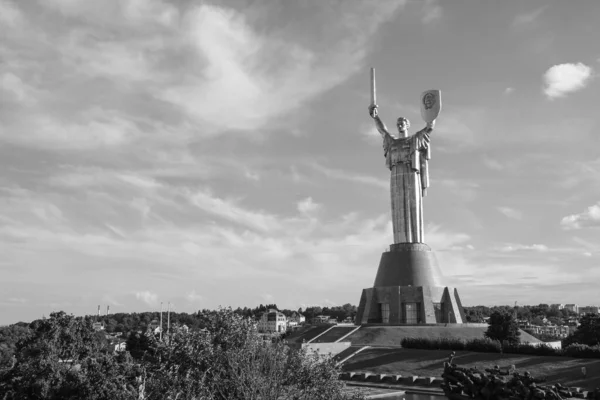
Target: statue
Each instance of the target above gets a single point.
(407, 158)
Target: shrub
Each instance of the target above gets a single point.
(582, 351)
(433, 343)
(537, 350)
(484, 345)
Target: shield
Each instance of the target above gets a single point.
(431, 104)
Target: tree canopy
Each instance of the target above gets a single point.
(503, 327)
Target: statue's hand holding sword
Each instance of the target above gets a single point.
(373, 106)
(431, 103)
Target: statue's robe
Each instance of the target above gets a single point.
(407, 158)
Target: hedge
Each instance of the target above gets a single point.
(486, 345)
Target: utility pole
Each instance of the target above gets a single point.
(161, 324)
(169, 322)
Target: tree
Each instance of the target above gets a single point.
(228, 360)
(588, 332)
(64, 359)
(503, 327)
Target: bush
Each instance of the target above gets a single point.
(582, 351)
(525, 348)
(433, 344)
(484, 345)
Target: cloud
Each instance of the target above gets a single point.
(232, 58)
(193, 297)
(9, 14)
(350, 176)
(370, 133)
(509, 90)
(432, 12)
(227, 209)
(523, 247)
(590, 218)
(464, 189)
(511, 212)
(493, 164)
(566, 78)
(528, 18)
(308, 206)
(147, 297)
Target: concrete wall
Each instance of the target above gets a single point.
(395, 296)
(554, 345)
(326, 348)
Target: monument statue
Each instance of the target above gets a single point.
(408, 287)
(407, 158)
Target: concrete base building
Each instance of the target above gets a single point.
(408, 290)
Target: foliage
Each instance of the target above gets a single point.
(9, 336)
(484, 345)
(582, 351)
(63, 358)
(503, 327)
(525, 348)
(588, 332)
(433, 344)
(229, 360)
(559, 317)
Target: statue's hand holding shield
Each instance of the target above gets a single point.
(431, 104)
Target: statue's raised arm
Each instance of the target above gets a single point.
(378, 122)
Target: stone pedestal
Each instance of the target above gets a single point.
(408, 290)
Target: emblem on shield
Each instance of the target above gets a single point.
(431, 104)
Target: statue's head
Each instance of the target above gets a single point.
(403, 124)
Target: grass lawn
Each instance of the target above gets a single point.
(393, 335)
(408, 362)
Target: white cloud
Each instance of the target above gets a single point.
(522, 247)
(193, 297)
(511, 212)
(590, 218)
(493, 164)
(370, 133)
(308, 206)
(509, 90)
(21, 92)
(231, 59)
(566, 78)
(228, 210)
(147, 297)
(9, 14)
(432, 12)
(526, 19)
(350, 176)
(18, 300)
(464, 189)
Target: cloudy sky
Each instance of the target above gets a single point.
(214, 153)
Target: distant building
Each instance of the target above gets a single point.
(324, 319)
(272, 321)
(588, 310)
(296, 319)
(557, 306)
(117, 345)
(572, 308)
(560, 331)
(98, 326)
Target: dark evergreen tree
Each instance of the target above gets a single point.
(503, 327)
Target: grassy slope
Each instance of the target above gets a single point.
(334, 334)
(408, 362)
(307, 333)
(392, 335)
